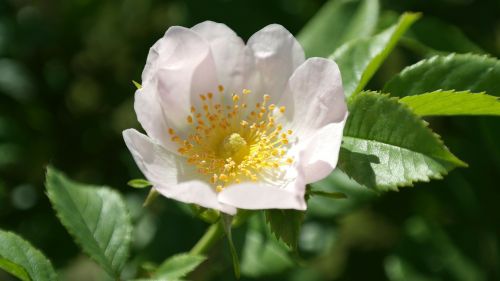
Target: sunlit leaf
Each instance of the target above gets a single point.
(358, 60)
(178, 266)
(386, 146)
(453, 103)
(465, 72)
(338, 22)
(137, 84)
(139, 183)
(95, 216)
(22, 260)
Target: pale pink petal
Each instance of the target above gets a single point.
(276, 55)
(228, 53)
(319, 153)
(169, 173)
(152, 118)
(259, 195)
(179, 68)
(314, 96)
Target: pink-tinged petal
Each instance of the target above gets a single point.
(228, 53)
(152, 118)
(259, 195)
(276, 54)
(314, 96)
(196, 192)
(169, 173)
(320, 152)
(179, 68)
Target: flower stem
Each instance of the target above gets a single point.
(212, 235)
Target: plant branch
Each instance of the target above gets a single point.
(211, 236)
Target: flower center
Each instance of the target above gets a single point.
(233, 142)
(235, 146)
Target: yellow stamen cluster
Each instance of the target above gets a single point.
(232, 142)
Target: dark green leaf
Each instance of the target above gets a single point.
(95, 216)
(467, 72)
(178, 266)
(386, 146)
(22, 260)
(139, 183)
(285, 224)
(437, 35)
(333, 195)
(338, 22)
(338, 181)
(358, 60)
(262, 253)
(453, 103)
(422, 239)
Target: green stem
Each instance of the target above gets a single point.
(212, 235)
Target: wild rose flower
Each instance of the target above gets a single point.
(233, 126)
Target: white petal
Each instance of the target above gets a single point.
(196, 192)
(170, 174)
(315, 96)
(152, 118)
(179, 68)
(257, 196)
(227, 50)
(319, 154)
(276, 54)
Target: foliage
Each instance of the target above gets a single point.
(359, 59)
(178, 266)
(386, 145)
(22, 260)
(95, 216)
(66, 72)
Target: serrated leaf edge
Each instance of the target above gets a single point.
(34, 249)
(425, 125)
(128, 237)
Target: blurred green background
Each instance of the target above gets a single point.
(66, 94)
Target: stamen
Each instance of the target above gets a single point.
(229, 144)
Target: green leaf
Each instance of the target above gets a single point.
(285, 225)
(332, 195)
(338, 22)
(338, 181)
(439, 36)
(136, 84)
(358, 60)
(14, 269)
(387, 146)
(262, 253)
(178, 266)
(466, 72)
(453, 103)
(139, 183)
(22, 260)
(95, 216)
(227, 224)
(420, 239)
